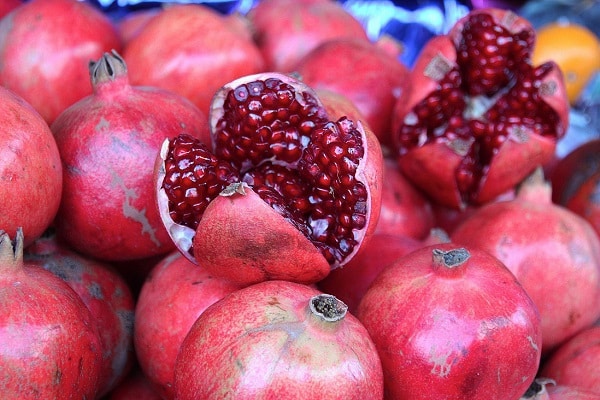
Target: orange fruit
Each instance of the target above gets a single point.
(575, 49)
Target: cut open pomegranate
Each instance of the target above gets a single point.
(480, 117)
(284, 193)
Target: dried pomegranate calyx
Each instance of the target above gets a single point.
(328, 307)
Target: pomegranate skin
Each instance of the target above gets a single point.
(266, 341)
(576, 362)
(457, 326)
(106, 295)
(287, 30)
(45, 47)
(108, 210)
(50, 345)
(135, 386)
(370, 77)
(173, 296)
(549, 249)
(179, 53)
(30, 169)
(8, 5)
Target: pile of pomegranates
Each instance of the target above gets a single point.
(200, 205)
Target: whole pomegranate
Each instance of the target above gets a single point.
(45, 47)
(106, 295)
(194, 51)
(278, 339)
(451, 322)
(576, 182)
(286, 192)
(369, 76)
(30, 169)
(549, 249)
(173, 296)
(108, 143)
(577, 361)
(50, 344)
(480, 117)
(287, 30)
(405, 210)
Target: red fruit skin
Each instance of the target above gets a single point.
(463, 332)
(549, 249)
(50, 344)
(262, 341)
(105, 294)
(432, 166)
(287, 30)
(405, 210)
(250, 250)
(134, 386)
(194, 44)
(173, 296)
(350, 282)
(576, 182)
(577, 361)
(8, 5)
(30, 169)
(108, 210)
(370, 77)
(45, 48)
(130, 25)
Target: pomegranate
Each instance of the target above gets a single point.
(108, 209)
(480, 117)
(549, 249)
(194, 51)
(577, 361)
(131, 24)
(30, 169)
(576, 182)
(405, 210)
(287, 30)
(278, 339)
(546, 389)
(285, 193)
(50, 345)
(45, 47)
(369, 76)
(174, 295)
(105, 294)
(8, 5)
(451, 322)
(350, 283)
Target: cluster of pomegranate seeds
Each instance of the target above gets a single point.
(279, 142)
(266, 119)
(491, 93)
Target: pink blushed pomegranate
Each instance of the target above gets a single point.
(480, 116)
(30, 169)
(108, 143)
(50, 344)
(451, 322)
(45, 47)
(278, 339)
(285, 192)
(286, 30)
(576, 362)
(370, 77)
(173, 296)
(549, 249)
(194, 51)
(106, 295)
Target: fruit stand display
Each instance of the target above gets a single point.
(289, 199)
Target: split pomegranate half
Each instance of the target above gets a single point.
(282, 192)
(480, 116)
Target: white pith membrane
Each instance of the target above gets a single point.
(183, 236)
